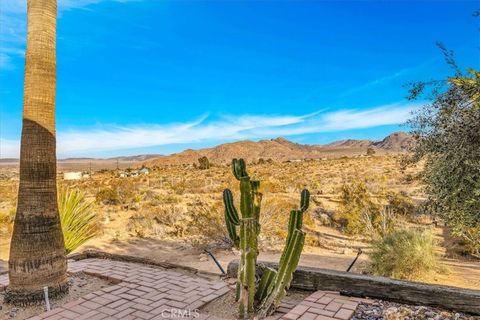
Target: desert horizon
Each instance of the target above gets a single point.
(223, 160)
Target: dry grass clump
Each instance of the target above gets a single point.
(6, 221)
(405, 254)
(118, 191)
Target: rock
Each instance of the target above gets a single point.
(203, 257)
(324, 219)
(394, 313)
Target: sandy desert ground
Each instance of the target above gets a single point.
(175, 212)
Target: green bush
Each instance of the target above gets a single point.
(447, 132)
(79, 221)
(405, 254)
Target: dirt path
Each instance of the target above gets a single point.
(462, 273)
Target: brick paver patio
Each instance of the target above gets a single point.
(324, 305)
(144, 292)
(141, 292)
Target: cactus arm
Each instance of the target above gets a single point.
(232, 231)
(266, 284)
(284, 275)
(239, 169)
(304, 200)
(230, 207)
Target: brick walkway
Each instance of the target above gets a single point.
(143, 292)
(324, 305)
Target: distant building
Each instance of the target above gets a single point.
(144, 171)
(134, 173)
(72, 175)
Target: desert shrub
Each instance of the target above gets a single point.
(140, 225)
(370, 151)
(405, 254)
(401, 204)
(208, 226)
(203, 163)
(107, 196)
(447, 132)
(79, 221)
(120, 191)
(471, 240)
(125, 190)
(179, 187)
(363, 210)
(273, 220)
(167, 220)
(6, 220)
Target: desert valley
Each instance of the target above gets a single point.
(173, 211)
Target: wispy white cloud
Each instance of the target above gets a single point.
(377, 82)
(9, 148)
(13, 17)
(226, 128)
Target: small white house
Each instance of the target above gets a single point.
(72, 175)
(144, 171)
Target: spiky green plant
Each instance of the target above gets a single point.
(263, 296)
(78, 219)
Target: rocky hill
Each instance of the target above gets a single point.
(281, 149)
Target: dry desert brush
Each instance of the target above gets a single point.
(405, 254)
(260, 297)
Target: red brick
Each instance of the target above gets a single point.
(322, 312)
(107, 310)
(91, 305)
(320, 317)
(344, 314)
(300, 309)
(308, 316)
(333, 306)
(325, 300)
(142, 315)
(124, 313)
(142, 307)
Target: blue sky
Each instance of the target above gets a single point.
(147, 76)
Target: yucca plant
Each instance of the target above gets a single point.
(78, 219)
(262, 296)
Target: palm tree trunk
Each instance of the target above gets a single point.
(37, 251)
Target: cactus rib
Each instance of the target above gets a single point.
(230, 209)
(304, 200)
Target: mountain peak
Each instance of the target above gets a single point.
(281, 149)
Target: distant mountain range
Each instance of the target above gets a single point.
(278, 149)
(281, 149)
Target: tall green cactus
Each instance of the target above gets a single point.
(265, 295)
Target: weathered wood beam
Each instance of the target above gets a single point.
(359, 285)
